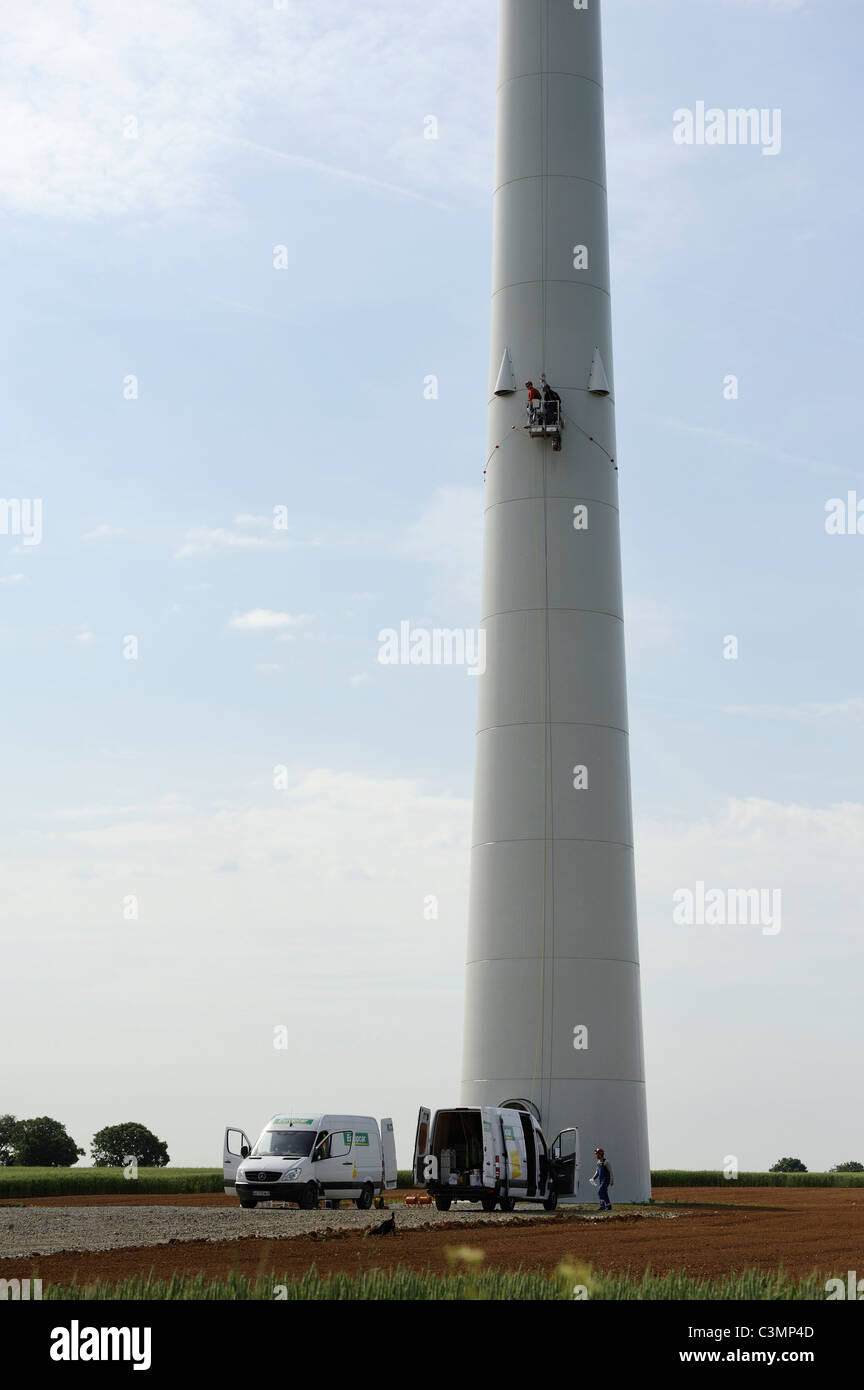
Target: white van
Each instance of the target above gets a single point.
(494, 1156)
(302, 1158)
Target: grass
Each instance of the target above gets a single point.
(69, 1182)
(674, 1177)
(401, 1285)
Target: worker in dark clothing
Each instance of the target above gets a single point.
(603, 1179)
(551, 403)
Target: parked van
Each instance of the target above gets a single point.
(302, 1158)
(494, 1156)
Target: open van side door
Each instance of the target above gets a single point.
(388, 1153)
(564, 1156)
(235, 1140)
(421, 1147)
(494, 1155)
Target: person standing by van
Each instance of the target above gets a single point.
(604, 1179)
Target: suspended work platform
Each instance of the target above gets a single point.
(545, 421)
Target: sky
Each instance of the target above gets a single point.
(231, 262)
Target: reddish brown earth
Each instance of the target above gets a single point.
(802, 1230)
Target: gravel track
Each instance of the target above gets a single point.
(49, 1230)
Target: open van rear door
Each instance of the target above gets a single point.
(494, 1157)
(421, 1145)
(388, 1153)
(235, 1140)
(564, 1155)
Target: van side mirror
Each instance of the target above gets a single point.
(244, 1150)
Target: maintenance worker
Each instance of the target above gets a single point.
(603, 1179)
(551, 403)
(534, 401)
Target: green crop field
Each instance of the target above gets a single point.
(673, 1177)
(490, 1285)
(71, 1182)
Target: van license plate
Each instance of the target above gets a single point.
(260, 1192)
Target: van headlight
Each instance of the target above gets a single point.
(291, 1175)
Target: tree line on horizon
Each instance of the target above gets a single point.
(45, 1143)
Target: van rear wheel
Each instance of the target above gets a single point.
(364, 1201)
(443, 1203)
(309, 1197)
(487, 1203)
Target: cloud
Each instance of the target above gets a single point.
(757, 446)
(808, 712)
(333, 171)
(12, 579)
(649, 626)
(655, 204)
(85, 637)
(110, 810)
(448, 537)
(768, 4)
(265, 619)
(110, 110)
(202, 540)
(103, 532)
(333, 859)
(812, 854)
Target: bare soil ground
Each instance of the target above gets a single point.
(715, 1231)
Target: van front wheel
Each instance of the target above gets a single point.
(551, 1201)
(364, 1201)
(508, 1203)
(309, 1197)
(443, 1203)
(247, 1205)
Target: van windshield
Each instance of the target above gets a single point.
(287, 1143)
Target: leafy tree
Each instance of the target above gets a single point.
(788, 1165)
(113, 1146)
(44, 1143)
(7, 1141)
(853, 1166)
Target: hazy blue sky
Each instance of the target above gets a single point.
(153, 155)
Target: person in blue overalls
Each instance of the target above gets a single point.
(604, 1179)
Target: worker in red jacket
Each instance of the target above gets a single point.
(534, 401)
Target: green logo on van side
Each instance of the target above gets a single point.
(509, 1132)
(361, 1139)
